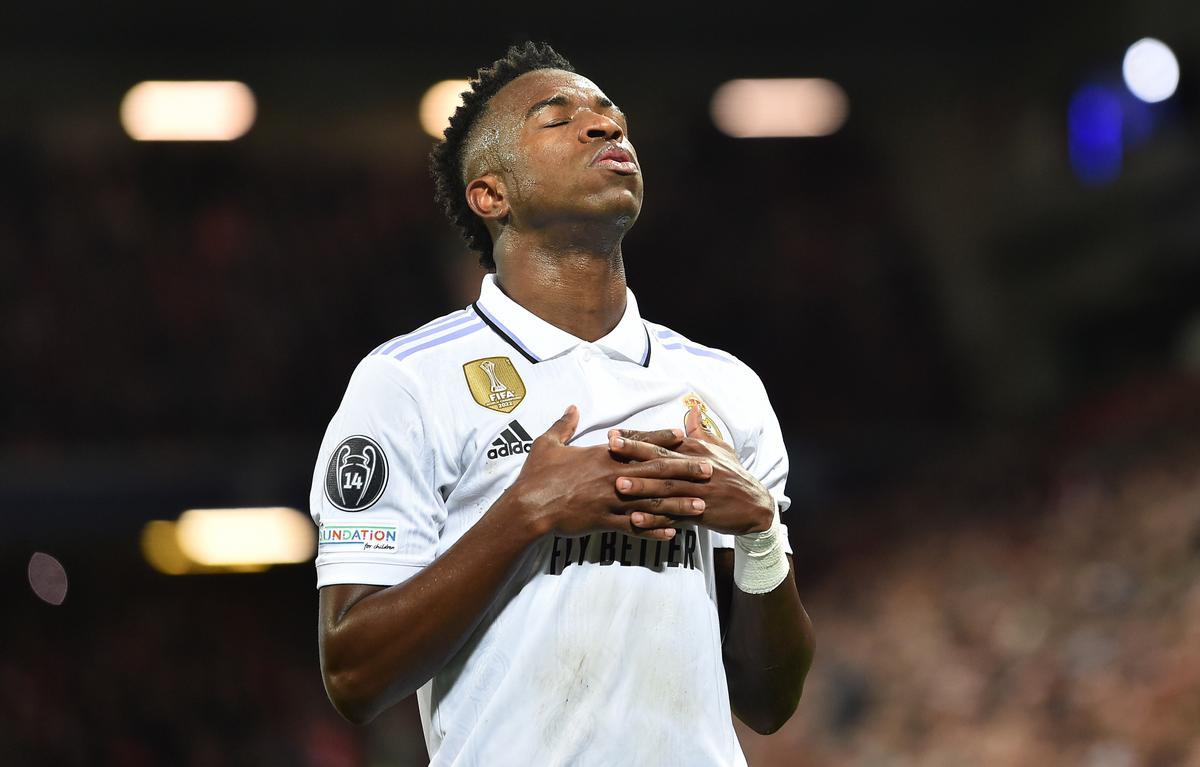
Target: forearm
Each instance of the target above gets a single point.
(392, 641)
(768, 651)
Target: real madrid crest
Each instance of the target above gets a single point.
(495, 383)
(706, 422)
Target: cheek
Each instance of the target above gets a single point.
(527, 179)
(552, 161)
(540, 171)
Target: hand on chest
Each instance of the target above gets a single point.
(507, 439)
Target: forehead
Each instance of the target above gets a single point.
(531, 87)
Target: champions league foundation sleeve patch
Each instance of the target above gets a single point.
(357, 474)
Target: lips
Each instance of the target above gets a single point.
(616, 159)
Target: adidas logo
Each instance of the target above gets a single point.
(514, 440)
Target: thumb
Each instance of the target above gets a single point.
(692, 423)
(564, 428)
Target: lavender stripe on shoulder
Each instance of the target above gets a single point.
(699, 352)
(468, 330)
(432, 323)
(428, 325)
(454, 320)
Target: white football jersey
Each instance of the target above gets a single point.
(605, 649)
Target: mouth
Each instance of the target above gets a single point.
(616, 159)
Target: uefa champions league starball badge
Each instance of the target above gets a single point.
(357, 474)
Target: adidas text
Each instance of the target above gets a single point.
(514, 440)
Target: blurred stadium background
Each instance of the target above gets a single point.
(974, 303)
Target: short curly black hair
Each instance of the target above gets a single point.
(446, 158)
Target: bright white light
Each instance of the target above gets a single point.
(195, 110)
(1151, 70)
(783, 107)
(438, 105)
(251, 537)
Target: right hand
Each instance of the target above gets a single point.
(570, 491)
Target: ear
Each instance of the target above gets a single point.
(487, 197)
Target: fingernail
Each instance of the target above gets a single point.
(706, 468)
(698, 504)
(638, 519)
(670, 532)
(624, 484)
(568, 410)
(618, 442)
(678, 433)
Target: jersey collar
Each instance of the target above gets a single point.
(538, 340)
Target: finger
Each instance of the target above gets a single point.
(660, 437)
(643, 487)
(663, 532)
(638, 450)
(664, 508)
(564, 428)
(693, 424)
(697, 430)
(688, 468)
(655, 534)
(651, 521)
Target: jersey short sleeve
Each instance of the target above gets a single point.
(374, 497)
(764, 455)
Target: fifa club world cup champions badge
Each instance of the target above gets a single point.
(495, 383)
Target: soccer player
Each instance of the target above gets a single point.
(611, 591)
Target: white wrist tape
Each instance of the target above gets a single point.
(759, 561)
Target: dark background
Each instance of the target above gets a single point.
(984, 365)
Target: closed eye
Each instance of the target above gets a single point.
(556, 123)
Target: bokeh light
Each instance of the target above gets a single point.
(779, 108)
(439, 103)
(1151, 70)
(198, 110)
(1094, 120)
(160, 547)
(245, 537)
(47, 578)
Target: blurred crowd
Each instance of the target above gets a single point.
(192, 293)
(142, 670)
(1053, 622)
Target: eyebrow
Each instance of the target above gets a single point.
(560, 100)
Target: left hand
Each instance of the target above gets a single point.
(734, 501)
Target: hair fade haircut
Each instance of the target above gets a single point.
(446, 158)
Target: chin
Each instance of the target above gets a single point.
(612, 204)
(625, 215)
(624, 202)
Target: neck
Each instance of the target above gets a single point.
(577, 288)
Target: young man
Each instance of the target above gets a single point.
(602, 594)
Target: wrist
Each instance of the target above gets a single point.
(770, 516)
(759, 562)
(530, 519)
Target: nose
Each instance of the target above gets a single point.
(599, 126)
